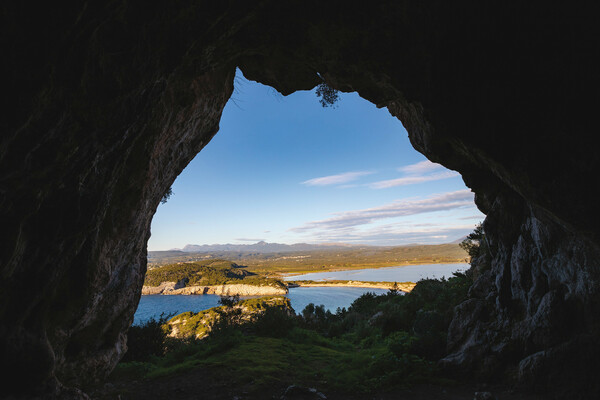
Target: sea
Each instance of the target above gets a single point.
(331, 298)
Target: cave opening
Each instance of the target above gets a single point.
(110, 102)
(286, 174)
(298, 173)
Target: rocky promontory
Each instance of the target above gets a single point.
(219, 277)
(199, 325)
(237, 289)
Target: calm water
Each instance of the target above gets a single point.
(152, 306)
(409, 273)
(331, 298)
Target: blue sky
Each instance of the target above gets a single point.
(286, 170)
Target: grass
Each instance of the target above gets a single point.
(302, 357)
(380, 343)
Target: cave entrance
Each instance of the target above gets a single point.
(290, 186)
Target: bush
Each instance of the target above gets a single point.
(274, 322)
(146, 340)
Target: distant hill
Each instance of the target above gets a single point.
(261, 247)
(164, 254)
(318, 258)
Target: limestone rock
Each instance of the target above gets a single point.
(171, 288)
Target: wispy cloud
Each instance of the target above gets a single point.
(399, 208)
(420, 168)
(336, 179)
(395, 234)
(249, 240)
(411, 180)
(424, 171)
(479, 217)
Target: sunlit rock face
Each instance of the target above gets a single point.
(106, 104)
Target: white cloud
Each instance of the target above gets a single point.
(479, 217)
(249, 240)
(399, 208)
(423, 171)
(420, 168)
(395, 234)
(410, 180)
(336, 179)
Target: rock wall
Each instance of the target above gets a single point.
(104, 107)
(106, 103)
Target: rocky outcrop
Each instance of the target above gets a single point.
(170, 288)
(199, 325)
(532, 311)
(106, 103)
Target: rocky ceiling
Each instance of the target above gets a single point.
(105, 103)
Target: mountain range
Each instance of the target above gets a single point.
(263, 247)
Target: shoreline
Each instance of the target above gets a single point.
(171, 288)
(405, 287)
(290, 274)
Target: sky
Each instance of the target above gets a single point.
(286, 170)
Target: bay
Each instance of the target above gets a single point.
(152, 306)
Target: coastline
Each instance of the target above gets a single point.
(352, 268)
(405, 287)
(171, 288)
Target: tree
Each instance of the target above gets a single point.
(166, 196)
(474, 242)
(328, 96)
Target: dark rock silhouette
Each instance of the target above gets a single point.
(106, 103)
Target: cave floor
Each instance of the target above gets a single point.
(202, 383)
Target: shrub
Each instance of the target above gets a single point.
(274, 322)
(146, 340)
(327, 95)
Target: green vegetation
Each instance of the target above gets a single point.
(207, 273)
(475, 244)
(147, 341)
(378, 343)
(167, 196)
(324, 260)
(232, 313)
(328, 96)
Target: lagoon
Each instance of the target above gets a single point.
(408, 273)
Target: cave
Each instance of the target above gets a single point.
(105, 103)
